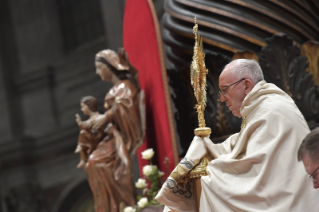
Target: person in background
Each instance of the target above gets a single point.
(308, 153)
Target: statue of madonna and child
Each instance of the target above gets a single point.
(108, 141)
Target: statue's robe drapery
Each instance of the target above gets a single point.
(256, 169)
(88, 140)
(109, 166)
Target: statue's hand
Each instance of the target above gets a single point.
(98, 122)
(78, 119)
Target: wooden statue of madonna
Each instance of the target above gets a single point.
(108, 161)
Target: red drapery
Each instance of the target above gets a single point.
(142, 40)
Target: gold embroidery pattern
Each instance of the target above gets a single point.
(188, 164)
(178, 173)
(200, 169)
(185, 190)
(243, 123)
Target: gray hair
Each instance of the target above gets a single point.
(310, 146)
(244, 68)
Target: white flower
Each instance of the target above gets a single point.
(160, 173)
(129, 209)
(141, 183)
(149, 169)
(148, 154)
(142, 203)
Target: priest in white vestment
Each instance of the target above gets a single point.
(255, 169)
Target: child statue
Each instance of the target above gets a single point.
(88, 138)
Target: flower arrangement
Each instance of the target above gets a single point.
(153, 176)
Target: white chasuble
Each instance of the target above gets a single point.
(254, 170)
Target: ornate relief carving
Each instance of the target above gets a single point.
(311, 50)
(245, 55)
(284, 66)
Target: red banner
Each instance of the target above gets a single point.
(142, 40)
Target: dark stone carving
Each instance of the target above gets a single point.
(228, 34)
(231, 26)
(284, 66)
(183, 100)
(311, 50)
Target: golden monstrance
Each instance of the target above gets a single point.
(198, 80)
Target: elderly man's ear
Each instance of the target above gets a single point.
(248, 86)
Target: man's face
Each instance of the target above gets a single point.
(234, 95)
(310, 167)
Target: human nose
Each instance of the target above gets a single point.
(222, 97)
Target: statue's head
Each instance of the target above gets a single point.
(108, 62)
(90, 102)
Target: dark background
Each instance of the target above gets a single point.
(47, 51)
